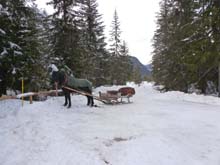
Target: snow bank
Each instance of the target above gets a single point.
(194, 98)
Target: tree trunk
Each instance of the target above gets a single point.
(219, 79)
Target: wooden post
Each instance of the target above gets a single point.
(22, 90)
(31, 99)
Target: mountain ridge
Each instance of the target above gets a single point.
(145, 70)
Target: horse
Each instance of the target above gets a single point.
(62, 79)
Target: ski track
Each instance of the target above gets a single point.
(156, 129)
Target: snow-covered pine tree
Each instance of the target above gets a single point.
(115, 36)
(186, 44)
(43, 36)
(65, 32)
(201, 59)
(161, 45)
(115, 40)
(93, 42)
(170, 49)
(180, 17)
(19, 45)
(204, 44)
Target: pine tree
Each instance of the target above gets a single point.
(115, 49)
(171, 54)
(19, 44)
(115, 35)
(93, 41)
(186, 44)
(180, 19)
(41, 66)
(126, 67)
(65, 45)
(203, 45)
(137, 75)
(161, 45)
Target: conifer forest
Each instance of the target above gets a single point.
(187, 46)
(31, 39)
(186, 42)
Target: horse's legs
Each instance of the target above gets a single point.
(88, 100)
(65, 95)
(91, 101)
(69, 99)
(65, 99)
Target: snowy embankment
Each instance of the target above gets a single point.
(156, 129)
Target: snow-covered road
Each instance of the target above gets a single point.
(156, 129)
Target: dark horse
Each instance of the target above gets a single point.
(63, 79)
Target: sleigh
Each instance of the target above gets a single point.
(117, 96)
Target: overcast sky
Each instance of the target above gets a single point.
(137, 20)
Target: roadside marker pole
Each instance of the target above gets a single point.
(22, 90)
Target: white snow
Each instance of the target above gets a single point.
(2, 31)
(13, 45)
(18, 52)
(186, 39)
(4, 52)
(54, 67)
(25, 95)
(156, 129)
(4, 11)
(24, 31)
(14, 71)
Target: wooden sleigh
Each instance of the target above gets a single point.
(117, 96)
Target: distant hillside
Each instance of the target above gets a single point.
(145, 69)
(149, 67)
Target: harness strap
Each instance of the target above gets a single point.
(65, 79)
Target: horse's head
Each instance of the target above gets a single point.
(52, 68)
(59, 77)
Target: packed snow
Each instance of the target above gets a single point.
(170, 128)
